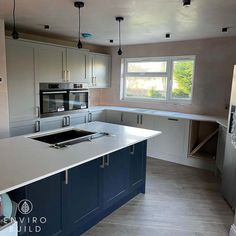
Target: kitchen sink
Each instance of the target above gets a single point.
(64, 136)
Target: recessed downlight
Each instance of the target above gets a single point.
(111, 41)
(167, 35)
(186, 3)
(46, 27)
(225, 29)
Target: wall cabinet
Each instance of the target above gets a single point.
(77, 199)
(98, 70)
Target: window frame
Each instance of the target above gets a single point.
(168, 74)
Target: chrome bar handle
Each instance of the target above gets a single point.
(64, 76)
(37, 126)
(103, 163)
(132, 150)
(90, 117)
(141, 120)
(37, 112)
(64, 121)
(66, 177)
(68, 120)
(107, 162)
(137, 119)
(68, 76)
(122, 117)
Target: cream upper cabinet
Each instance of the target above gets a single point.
(76, 65)
(98, 70)
(20, 73)
(50, 63)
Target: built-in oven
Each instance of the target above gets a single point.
(59, 98)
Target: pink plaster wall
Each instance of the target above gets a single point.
(213, 74)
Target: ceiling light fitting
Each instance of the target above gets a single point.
(79, 5)
(186, 2)
(225, 29)
(168, 35)
(119, 19)
(15, 34)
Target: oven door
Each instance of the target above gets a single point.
(53, 102)
(78, 99)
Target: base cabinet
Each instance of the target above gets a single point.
(73, 201)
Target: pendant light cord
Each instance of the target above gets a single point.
(79, 25)
(14, 14)
(119, 36)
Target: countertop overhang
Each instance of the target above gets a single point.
(24, 160)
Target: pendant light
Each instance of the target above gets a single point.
(119, 19)
(79, 5)
(14, 34)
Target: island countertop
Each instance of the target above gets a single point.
(24, 160)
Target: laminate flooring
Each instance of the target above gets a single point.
(179, 201)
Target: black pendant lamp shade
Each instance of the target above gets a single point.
(79, 5)
(119, 19)
(14, 34)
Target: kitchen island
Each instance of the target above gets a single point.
(74, 187)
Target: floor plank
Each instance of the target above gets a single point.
(179, 201)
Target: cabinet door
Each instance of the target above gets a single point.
(172, 144)
(84, 193)
(90, 70)
(46, 206)
(76, 61)
(221, 148)
(115, 177)
(22, 128)
(137, 165)
(130, 119)
(20, 76)
(96, 116)
(102, 64)
(113, 117)
(79, 119)
(51, 123)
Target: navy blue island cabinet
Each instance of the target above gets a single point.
(71, 202)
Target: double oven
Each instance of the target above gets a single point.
(63, 98)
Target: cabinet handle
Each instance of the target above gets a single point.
(68, 76)
(141, 120)
(107, 162)
(66, 177)
(137, 119)
(90, 117)
(122, 117)
(68, 120)
(103, 163)
(37, 126)
(64, 76)
(95, 80)
(37, 112)
(173, 119)
(64, 122)
(132, 149)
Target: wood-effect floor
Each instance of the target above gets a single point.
(179, 201)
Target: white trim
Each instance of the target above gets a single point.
(232, 230)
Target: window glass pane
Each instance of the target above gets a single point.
(146, 87)
(147, 66)
(182, 79)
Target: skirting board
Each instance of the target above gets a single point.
(233, 230)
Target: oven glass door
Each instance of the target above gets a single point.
(51, 102)
(78, 99)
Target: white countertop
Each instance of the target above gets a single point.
(220, 120)
(24, 160)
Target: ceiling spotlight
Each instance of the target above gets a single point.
(168, 35)
(15, 34)
(47, 27)
(186, 2)
(225, 29)
(79, 5)
(119, 19)
(111, 41)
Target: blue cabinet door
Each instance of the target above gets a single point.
(115, 177)
(47, 215)
(138, 166)
(83, 195)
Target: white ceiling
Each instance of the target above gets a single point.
(146, 21)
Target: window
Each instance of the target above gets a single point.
(167, 79)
